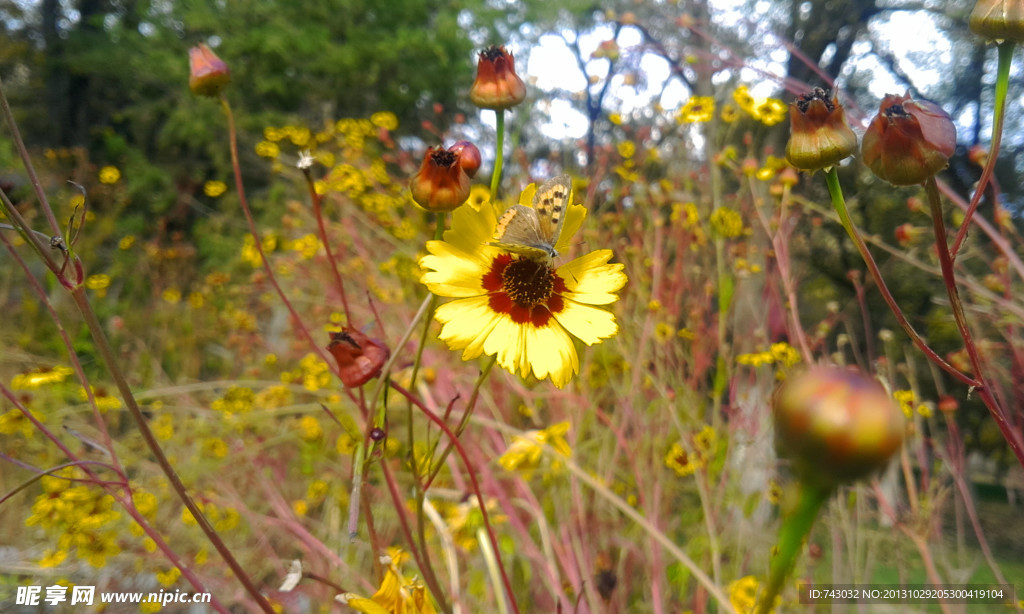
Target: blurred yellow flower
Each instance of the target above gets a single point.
(109, 175)
(727, 222)
(526, 450)
(384, 119)
(698, 109)
(213, 189)
(266, 149)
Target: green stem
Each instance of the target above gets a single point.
(792, 536)
(499, 154)
(1002, 85)
(839, 203)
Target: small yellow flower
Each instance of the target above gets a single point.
(627, 149)
(744, 100)
(53, 558)
(698, 109)
(98, 281)
(169, 577)
(615, 118)
(266, 149)
(109, 175)
(126, 242)
(310, 429)
(727, 222)
(300, 507)
(172, 296)
(771, 111)
(384, 119)
(743, 594)
(906, 400)
(213, 189)
(729, 113)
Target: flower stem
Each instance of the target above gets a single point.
(839, 203)
(499, 154)
(792, 535)
(1012, 436)
(1002, 85)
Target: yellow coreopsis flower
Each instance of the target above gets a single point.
(519, 308)
(525, 452)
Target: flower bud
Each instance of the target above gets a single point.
(908, 141)
(359, 358)
(497, 86)
(819, 135)
(998, 20)
(469, 157)
(836, 425)
(441, 184)
(208, 74)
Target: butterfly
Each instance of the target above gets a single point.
(533, 231)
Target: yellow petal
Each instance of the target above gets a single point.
(452, 272)
(589, 279)
(551, 353)
(467, 323)
(589, 324)
(361, 604)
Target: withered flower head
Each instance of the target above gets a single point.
(908, 141)
(497, 86)
(998, 20)
(442, 183)
(819, 135)
(208, 74)
(359, 357)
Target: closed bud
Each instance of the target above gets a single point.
(819, 135)
(469, 157)
(497, 86)
(836, 425)
(208, 74)
(908, 141)
(441, 184)
(998, 20)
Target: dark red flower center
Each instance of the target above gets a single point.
(895, 111)
(444, 158)
(527, 290)
(803, 102)
(493, 53)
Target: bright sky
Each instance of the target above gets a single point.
(552, 66)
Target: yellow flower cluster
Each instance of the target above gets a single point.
(83, 516)
(906, 399)
(236, 400)
(769, 111)
(249, 252)
(780, 353)
(703, 446)
(222, 518)
(313, 373)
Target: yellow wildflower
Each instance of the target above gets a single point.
(109, 175)
(698, 109)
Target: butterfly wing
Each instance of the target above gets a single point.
(551, 202)
(519, 231)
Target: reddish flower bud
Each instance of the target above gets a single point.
(208, 74)
(908, 233)
(998, 20)
(819, 135)
(836, 425)
(441, 184)
(908, 141)
(469, 156)
(497, 86)
(359, 357)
